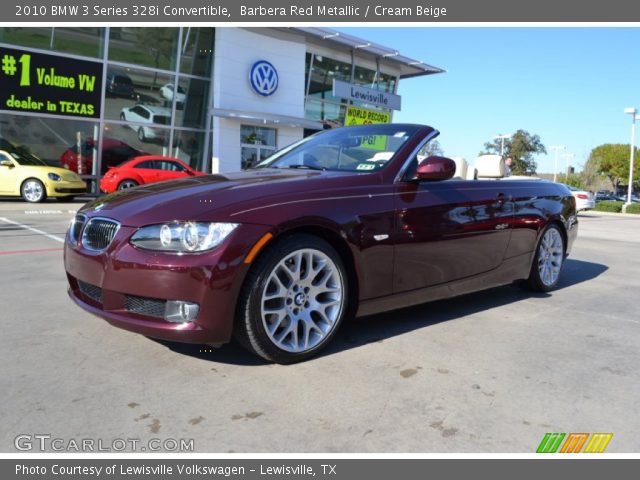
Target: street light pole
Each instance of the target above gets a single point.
(631, 111)
(556, 148)
(502, 137)
(567, 156)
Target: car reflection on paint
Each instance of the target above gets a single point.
(352, 221)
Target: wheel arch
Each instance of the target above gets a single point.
(340, 245)
(33, 177)
(563, 231)
(131, 178)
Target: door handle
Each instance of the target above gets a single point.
(501, 198)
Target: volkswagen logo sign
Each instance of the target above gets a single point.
(263, 78)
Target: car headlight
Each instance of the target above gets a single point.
(182, 237)
(55, 177)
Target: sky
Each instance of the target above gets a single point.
(570, 86)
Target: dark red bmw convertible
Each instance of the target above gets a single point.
(351, 221)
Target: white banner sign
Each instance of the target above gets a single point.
(368, 95)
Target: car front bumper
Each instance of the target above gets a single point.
(109, 283)
(64, 188)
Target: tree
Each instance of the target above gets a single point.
(612, 160)
(432, 148)
(574, 180)
(520, 147)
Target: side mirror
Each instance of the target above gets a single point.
(435, 168)
(6, 163)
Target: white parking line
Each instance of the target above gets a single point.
(35, 230)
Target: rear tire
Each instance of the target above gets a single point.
(126, 184)
(293, 301)
(33, 191)
(548, 260)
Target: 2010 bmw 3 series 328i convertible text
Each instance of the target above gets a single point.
(351, 221)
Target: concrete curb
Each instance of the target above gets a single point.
(612, 214)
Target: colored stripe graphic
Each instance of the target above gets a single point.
(574, 443)
(598, 443)
(550, 443)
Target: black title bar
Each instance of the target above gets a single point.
(313, 12)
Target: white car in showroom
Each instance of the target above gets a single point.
(584, 200)
(147, 114)
(167, 92)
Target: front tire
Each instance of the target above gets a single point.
(548, 260)
(141, 136)
(293, 301)
(33, 191)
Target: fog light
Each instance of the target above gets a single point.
(180, 312)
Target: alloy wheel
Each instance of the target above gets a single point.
(33, 191)
(550, 256)
(302, 300)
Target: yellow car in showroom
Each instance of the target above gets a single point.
(22, 174)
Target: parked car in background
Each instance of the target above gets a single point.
(119, 84)
(143, 170)
(327, 228)
(22, 174)
(605, 195)
(114, 152)
(584, 200)
(167, 92)
(149, 114)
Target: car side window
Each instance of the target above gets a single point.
(146, 164)
(174, 167)
(138, 110)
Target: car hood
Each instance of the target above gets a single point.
(204, 198)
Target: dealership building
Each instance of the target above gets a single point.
(220, 99)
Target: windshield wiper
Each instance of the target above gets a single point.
(308, 167)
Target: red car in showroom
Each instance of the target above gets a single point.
(143, 170)
(114, 152)
(351, 221)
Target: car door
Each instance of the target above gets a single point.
(148, 171)
(170, 170)
(449, 230)
(8, 176)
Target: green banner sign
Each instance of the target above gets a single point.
(42, 83)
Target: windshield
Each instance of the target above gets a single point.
(353, 149)
(20, 154)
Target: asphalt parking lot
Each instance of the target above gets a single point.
(488, 372)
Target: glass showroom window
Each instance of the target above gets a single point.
(381, 81)
(188, 146)
(257, 144)
(78, 41)
(122, 142)
(191, 102)
(56, 142)
(128, 87)
(145, 46)
(320, 73)
(196, 51)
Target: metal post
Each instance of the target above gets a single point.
(633, 149)
(556, 148)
